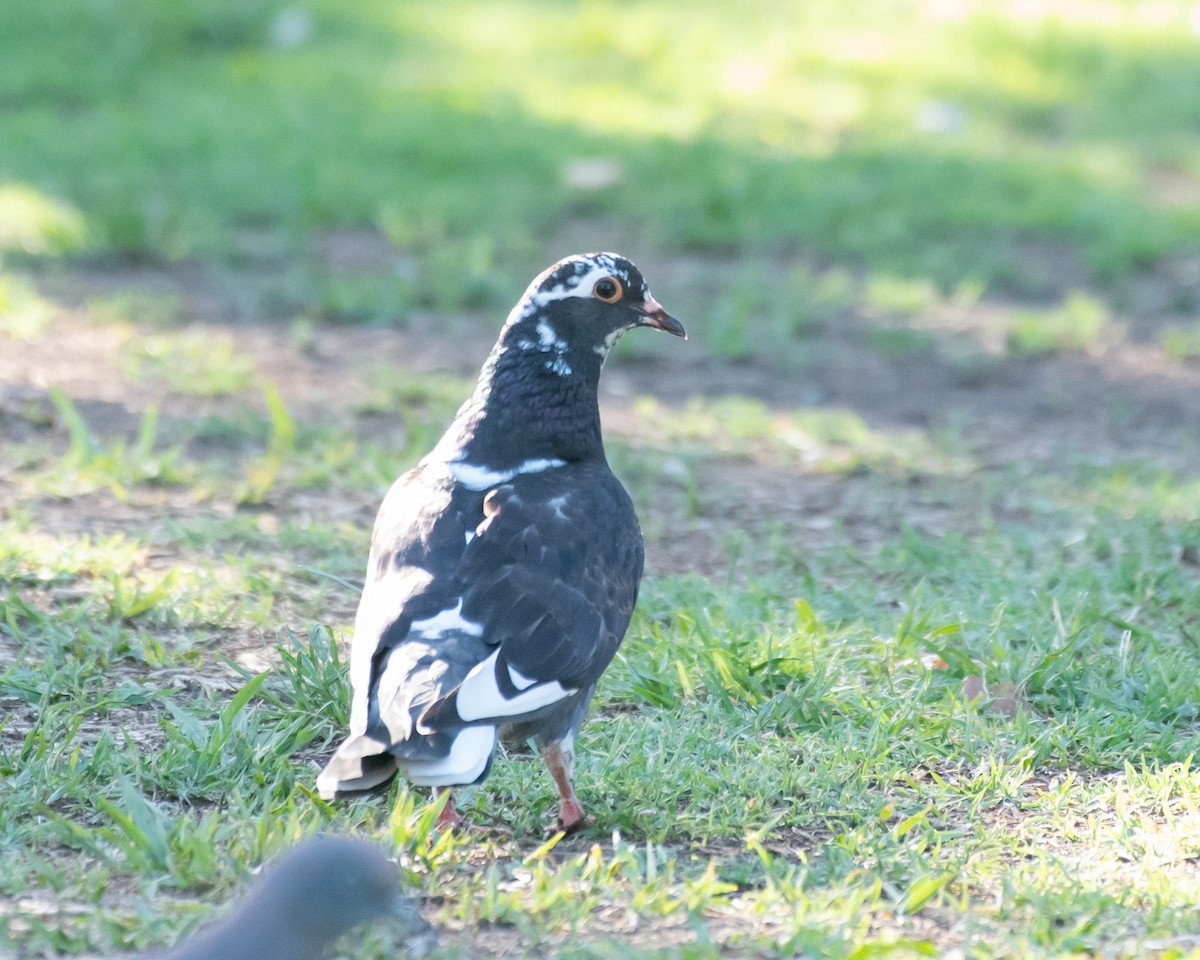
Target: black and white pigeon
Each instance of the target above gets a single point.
(303, 901)
(504, 567)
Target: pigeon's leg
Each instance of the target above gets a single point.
(449, 817)
(560, 759)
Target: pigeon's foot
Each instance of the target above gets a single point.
(449, 818)
(560, 760)
(571, 818)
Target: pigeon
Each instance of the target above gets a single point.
(504, 567)
(303, 901)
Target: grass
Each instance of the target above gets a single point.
(897, 684)
(1081, 324)
(1182, 342)
(195, 361)
(23, 314)
(783, 757)
(198, 126)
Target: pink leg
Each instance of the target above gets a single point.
(449, 817)
(560, 759)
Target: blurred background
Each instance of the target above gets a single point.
(379, 158)
(975, 222)
(978, 222)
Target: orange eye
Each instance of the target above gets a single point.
(608, 289)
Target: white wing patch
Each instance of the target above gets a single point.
(475, 477)
(479, 696)
(464, 763)
(448, 621)
(520, 681)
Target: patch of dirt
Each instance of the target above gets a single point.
(1129, 399)
(1128, 402)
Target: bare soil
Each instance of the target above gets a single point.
(1126, 401)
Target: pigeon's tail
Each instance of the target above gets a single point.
(351, 772)
(466, 759)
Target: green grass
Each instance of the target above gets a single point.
(893, 687)
(193, 124)
(775, 757)
(1081, 323)
(1182, 342)
(23, 314)
(197, 361)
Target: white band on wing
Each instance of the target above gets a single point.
(480, 697)
(475, 477)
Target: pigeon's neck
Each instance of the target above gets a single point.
(529, 406)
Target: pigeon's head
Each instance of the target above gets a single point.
(579, 308)
(331, 884)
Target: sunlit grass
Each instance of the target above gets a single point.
(139, 307)
(1182, 342)
(36, 223)
(916, 140)
(195, 360)
(23, 313)
(789, 755)
(832, 439)
(1081, 323)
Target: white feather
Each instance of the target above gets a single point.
(446, 621)
(464, 763)
(479, 696)
(576, 286)
(549, 339)
(610, 341)
(475, 477)
(520, 681)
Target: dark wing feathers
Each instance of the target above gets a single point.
(416, 545)
(547, 582)
(552, 575)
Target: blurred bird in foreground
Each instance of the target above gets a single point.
(302, 902)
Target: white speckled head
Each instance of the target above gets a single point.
(581, 304)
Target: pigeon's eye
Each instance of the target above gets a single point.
(608, 289)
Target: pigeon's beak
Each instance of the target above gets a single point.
(653, 315)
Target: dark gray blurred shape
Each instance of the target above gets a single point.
(303, 901)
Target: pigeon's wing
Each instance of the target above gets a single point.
(411, 644)
(551, 579)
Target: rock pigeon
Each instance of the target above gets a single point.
(303, 901)
(504, 567)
